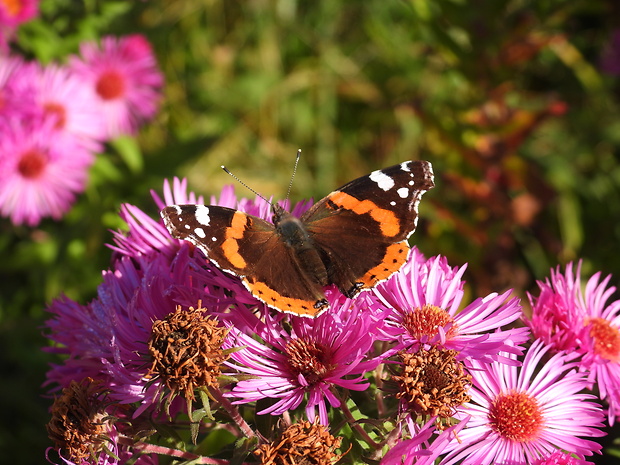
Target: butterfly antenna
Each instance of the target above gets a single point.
(245, 185)
(290, 184)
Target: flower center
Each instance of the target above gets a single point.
(110, 85)
(57, 111)
(516, 416)
(13, 7)
(432, 382)
(301, 443)
(186, 348)
(427, 320)
(606, 339)
(77, 426)
(309, 359)
(32, 164)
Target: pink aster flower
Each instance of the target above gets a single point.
(424, 300)
(305, 361)
(124, 75)
(568, 317)
(40, 172)
(559, 310)
(519, 415)
(71, 104)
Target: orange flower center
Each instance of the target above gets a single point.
(32, 164)
(308, 358)
(516, 416)
(57, 111)
(13, 7)
(110, 85)
(606, 339)
(427, 320)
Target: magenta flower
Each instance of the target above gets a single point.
(305, 361)
(519, 415)
(567, 317)
(151, 274)
(40, 171)
(424, 300)
(125, 78)
(559, 310)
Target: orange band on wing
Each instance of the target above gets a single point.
(389, 223)
(395, 257)
(234, 232)
(299, 307)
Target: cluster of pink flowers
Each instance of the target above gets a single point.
(526, 404)
(55, 118)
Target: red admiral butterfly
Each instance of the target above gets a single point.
(354, 238)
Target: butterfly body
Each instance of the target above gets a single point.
(354, 238)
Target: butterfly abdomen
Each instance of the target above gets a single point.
(294, 234)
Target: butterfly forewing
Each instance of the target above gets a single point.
(361, 228)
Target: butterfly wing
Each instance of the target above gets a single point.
(361, 229)
(248, 247)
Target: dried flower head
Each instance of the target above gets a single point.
(186, 347)
(79, 426)
(432, 382)
(301, 443)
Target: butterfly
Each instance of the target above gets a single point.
(354, 238)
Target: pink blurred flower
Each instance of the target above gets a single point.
(518, 415)
(40, 172)
(126, 80)
(71, 104)
(13, 13)
(17, 80)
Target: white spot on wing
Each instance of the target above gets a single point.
(403, 192)
(405, 166)
(200, 233)
(202, 215)
(214, 238)
(383, 180)
(392, 203)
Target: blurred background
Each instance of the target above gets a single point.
(515, 103)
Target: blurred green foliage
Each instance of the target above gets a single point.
(505, 98)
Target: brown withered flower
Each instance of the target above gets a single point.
(432, 382)
(302, 443)
(186, 348)
(79, 425)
